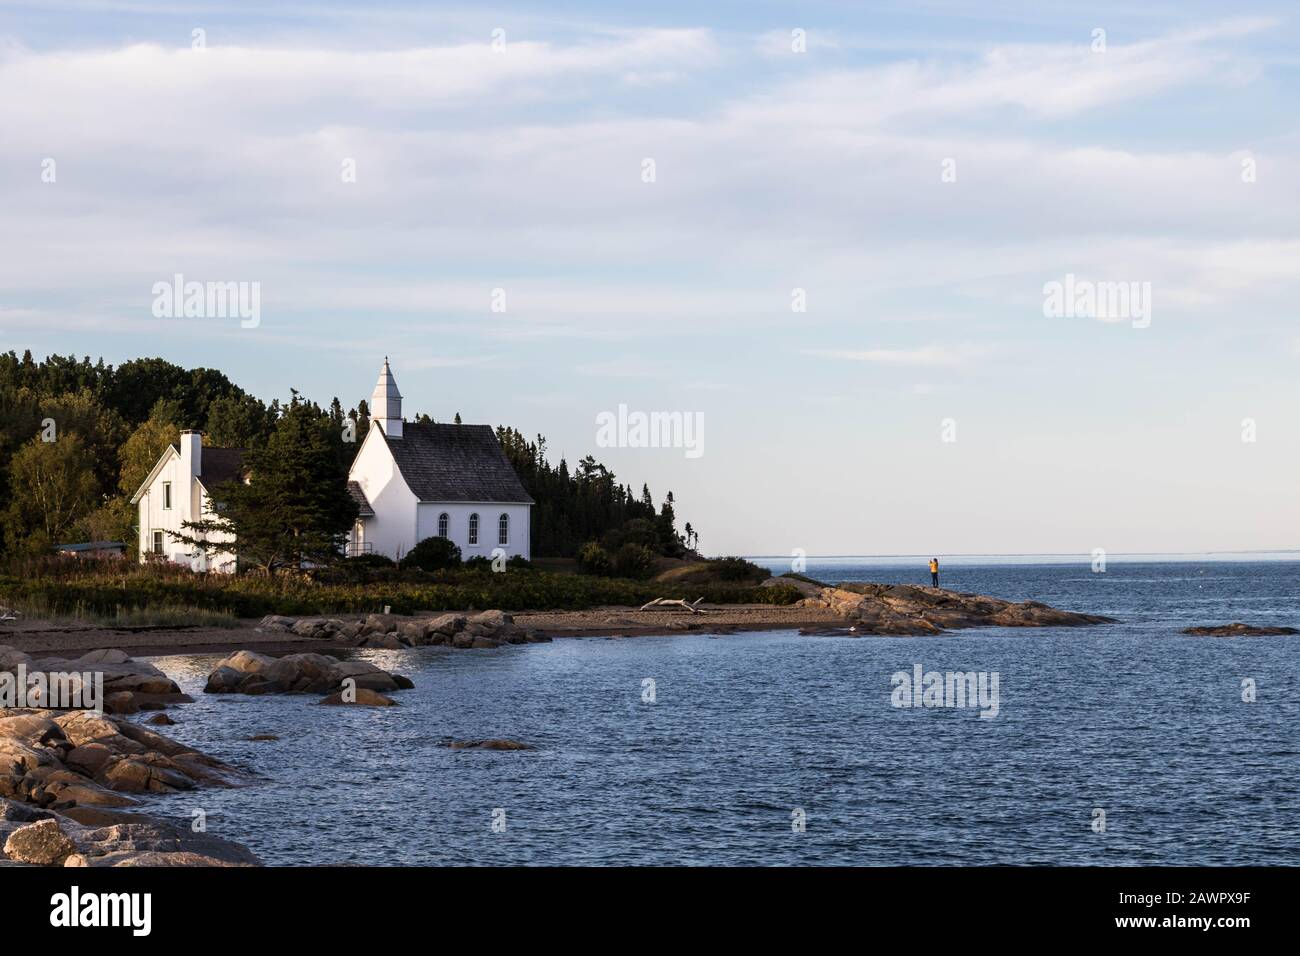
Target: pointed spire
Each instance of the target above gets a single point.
(386, 403)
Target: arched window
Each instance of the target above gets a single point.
(503, 529)
(443, 521)
(473, 528)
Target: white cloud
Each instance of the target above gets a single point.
(926, 356)
(225, 164)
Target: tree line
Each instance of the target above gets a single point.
(78, 438)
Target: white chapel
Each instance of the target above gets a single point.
(416, 480)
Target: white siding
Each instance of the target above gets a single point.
(488, 512)
(154, 517)
(401, 520)
(188, 500)
(392, 531)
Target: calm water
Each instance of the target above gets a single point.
(1133, 718)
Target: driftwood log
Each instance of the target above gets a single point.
(692, 606)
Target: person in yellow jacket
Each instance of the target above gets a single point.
(934, 572)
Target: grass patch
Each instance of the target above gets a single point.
(149, 594)
(804, 578)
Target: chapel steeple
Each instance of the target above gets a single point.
(386, 403)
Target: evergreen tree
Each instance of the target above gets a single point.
(294, 510)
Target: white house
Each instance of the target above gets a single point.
(414, 481)
(179, 490)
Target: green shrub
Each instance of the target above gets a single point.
(478, 563)
(119, 588)
(593, 559)
(634, 561)
(795, 575)
(738, 569)
(519, 563)
(433, 554)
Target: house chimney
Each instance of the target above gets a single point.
(191, 454)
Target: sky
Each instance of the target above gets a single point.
(824, 231)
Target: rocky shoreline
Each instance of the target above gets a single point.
(69, 788)
(71, 780)
(392, 632)
(914, 610)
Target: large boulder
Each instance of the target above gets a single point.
(276, 622)
(299, 674)
(154, 842)
(363, 697)
(380, 624)
(11, 657)
(43, 843)
(491, 619)
(445, 625)
(248, 662)
(224, 680)
(128, 685)
(302, 672)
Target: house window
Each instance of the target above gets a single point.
(473, 529)
(167, 495)
(443, 521)
(503, 529)
(157, 542)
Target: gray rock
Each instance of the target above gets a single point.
(380, 623)
(43, 843)
(447, 624)
(107, 656)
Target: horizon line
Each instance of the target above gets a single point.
(1035, 554)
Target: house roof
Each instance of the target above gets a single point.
(92, 546)
(455, 463)
(217, 464)
(220, 465)
(359, 496)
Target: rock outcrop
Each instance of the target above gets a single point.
(362, 698)
(388, 631)
(903, 609)
(59, 759)
(246, 672)
(49, 838)
(69, 783)
(493, 743)
(1238, 630)
(129, 685)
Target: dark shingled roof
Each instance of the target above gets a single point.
(456, 463)
(221, 465)
(359, 496)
